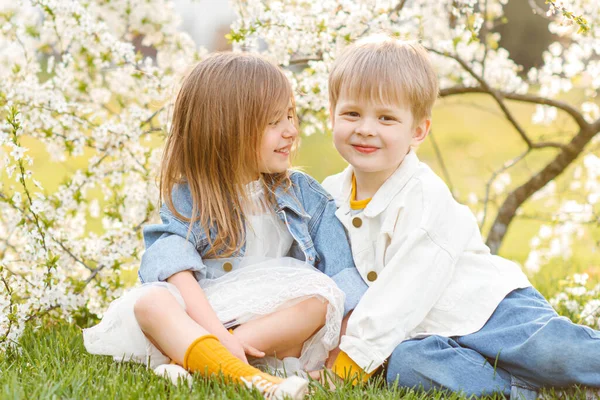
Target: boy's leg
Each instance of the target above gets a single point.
(283, 333)
(437, 362)
(532, 342)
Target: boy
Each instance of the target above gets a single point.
(446, 312)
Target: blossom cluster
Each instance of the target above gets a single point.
(579, 300)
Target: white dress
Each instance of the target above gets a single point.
(239, 290)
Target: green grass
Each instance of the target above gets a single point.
(53, 364)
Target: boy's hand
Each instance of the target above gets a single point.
(327, 378)
(332, 356)
(334, 353)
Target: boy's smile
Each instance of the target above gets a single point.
(365, 149)
(375, 138)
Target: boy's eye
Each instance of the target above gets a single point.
(387, 118)
(352, 114)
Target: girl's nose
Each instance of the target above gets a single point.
(290, 130)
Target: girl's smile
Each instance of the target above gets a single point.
(284, 151)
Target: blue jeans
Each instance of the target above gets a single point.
(524, 346)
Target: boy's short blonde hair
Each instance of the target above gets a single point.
(385, 70)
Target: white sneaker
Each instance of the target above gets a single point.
(174, 372)
(294, 387)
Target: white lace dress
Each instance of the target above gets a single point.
(239, 290)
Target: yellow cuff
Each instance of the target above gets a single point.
(347, 369)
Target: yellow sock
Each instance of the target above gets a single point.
(208, 356)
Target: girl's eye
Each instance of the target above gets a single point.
(289, 118)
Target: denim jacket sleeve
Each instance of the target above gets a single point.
(331, 241)
(169, 248)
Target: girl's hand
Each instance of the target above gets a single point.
(234, 346)
(252, 351)
(239, 348)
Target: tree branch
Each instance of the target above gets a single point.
(517, 197)
(58, 242)
(150, 118)
(438, 155)
(525, 98)
(303, 61)
(398, 7)
(13, 273)
(537, 10)
(567, 154)
(488, 89)
(495, 174)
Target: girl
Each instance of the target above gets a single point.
(232, 264)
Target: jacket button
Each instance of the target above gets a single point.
(372, 276)
(357, 222)
(227, 267)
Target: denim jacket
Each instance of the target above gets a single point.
(307, 210)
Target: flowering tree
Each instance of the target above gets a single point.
(96, 79)
(85, 78)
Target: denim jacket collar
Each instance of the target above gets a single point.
(384, 195)
(285, 200)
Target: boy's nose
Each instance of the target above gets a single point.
(365, 128)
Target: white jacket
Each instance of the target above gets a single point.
(421, 253)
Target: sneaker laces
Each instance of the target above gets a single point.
(264, 386)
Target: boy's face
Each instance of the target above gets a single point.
(375, 138)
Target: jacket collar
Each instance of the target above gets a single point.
(386, 193)
(286, 200)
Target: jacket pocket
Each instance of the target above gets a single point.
(450, 296)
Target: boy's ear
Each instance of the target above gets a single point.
(421, 131)
(331, 118)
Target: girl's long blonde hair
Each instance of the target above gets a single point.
(221, 113)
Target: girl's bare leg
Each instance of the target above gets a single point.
(283, 333)
(166, 324)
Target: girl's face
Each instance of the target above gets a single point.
(277, 143)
